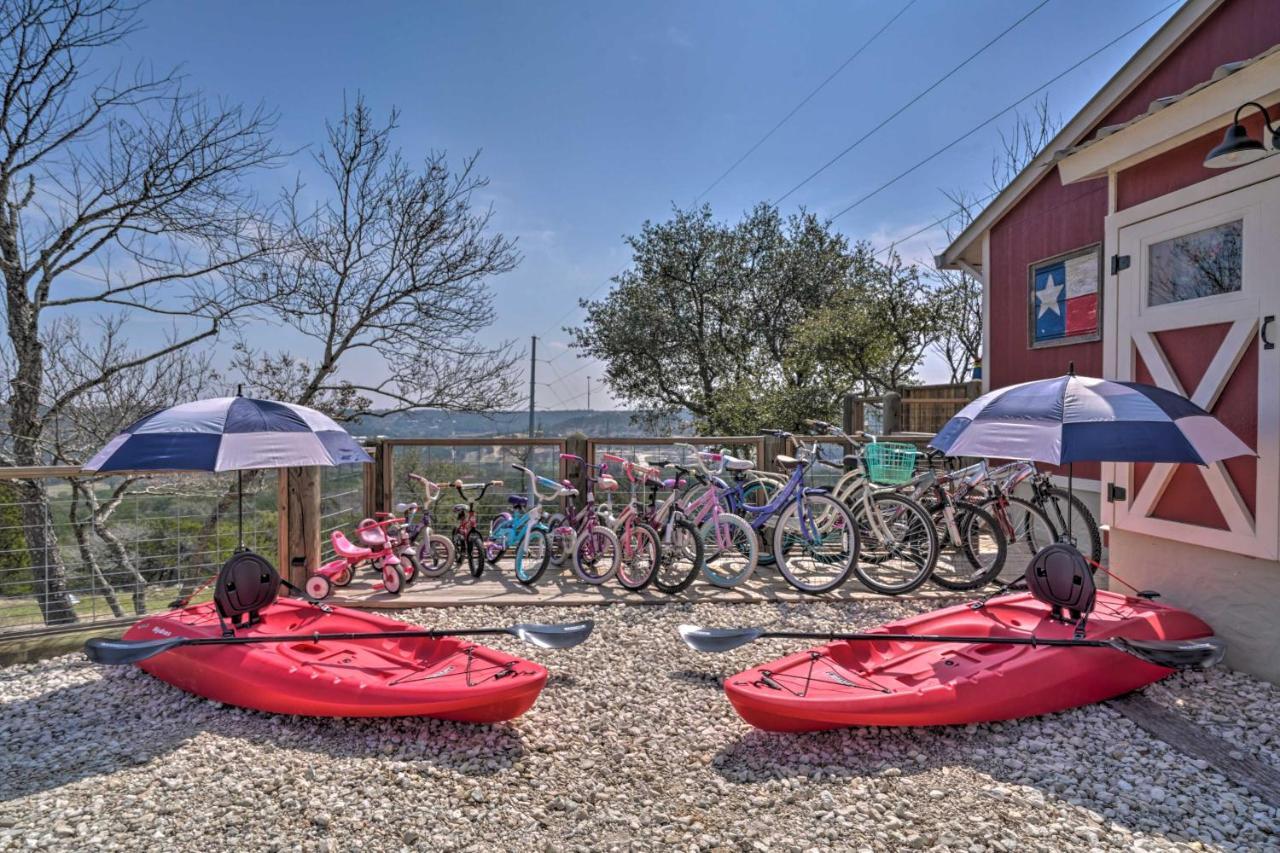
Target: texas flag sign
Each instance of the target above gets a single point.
(1065, 298)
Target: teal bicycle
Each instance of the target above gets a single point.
(522, 528)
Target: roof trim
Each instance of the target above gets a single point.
(1181, 24)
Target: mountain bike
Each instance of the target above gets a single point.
(899, 546)
(813, 535)
(467, 539)
(640, 543)
(1051, 502)
(974, 545)
(434, 551)
(596, 551)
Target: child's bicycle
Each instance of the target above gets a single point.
(731, 548)
(596, 551)
(682, 548)
(467, 540)
(434, 551)
(640, 543)
(523, 530)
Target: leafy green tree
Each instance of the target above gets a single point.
(763, 323)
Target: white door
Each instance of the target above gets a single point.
(1195, 310)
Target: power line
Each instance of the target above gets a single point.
(909, 103)
(935, 223)
(997, 115)
(807, 98)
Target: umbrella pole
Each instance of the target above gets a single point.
(1067, 533)
(240, 510)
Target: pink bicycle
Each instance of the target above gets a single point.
(595, 548)
(730, 547)
(640, 543)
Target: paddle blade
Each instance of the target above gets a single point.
(121, 652)
(553, 636)
(717, 639)
(1174, 654)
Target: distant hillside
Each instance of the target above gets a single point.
(432, 423)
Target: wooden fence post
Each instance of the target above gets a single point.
(577, 444)
(298, 507)
(852, 416)
(892, 408)
(773, 445)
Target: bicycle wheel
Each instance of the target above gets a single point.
(459, 545)
(1084, 527)
(412, 568)
(475, 553)
(1027, 529)
(532, 556)
(759, 492)
(730, 550)
(681, 558)
(435, 555)
(899, 546)
(641, 552)
(815, 557)
(392, 579)
(560, 540)
(979, 555)
(596, 555)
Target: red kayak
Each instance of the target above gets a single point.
(444, 677)
(913, 683)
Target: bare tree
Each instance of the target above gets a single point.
(957, 294)
(123, 192)
(395, 262)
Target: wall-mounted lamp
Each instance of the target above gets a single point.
(1237, 147)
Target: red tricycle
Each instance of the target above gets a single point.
(382, 548)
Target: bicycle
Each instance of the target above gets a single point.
(731, 549)
(434, 551)
(899, 545)
(972, 541)
(468, 543)
(1048, 499)
(640, 543)
(806, 521)
(682, 551)
(523, 528)
(596, 550)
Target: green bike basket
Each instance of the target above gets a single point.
(890, 463)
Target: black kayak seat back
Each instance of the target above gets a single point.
(247, 584)
(1059, 576)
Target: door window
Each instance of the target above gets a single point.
(1203, 263)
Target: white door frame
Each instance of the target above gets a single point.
(1222, 198)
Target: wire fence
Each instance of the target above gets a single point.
(77, 551)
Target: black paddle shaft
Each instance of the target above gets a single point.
(938, 638)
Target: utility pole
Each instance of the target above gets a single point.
(588, 393)
(533, 367)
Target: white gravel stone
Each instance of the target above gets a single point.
(631, 746)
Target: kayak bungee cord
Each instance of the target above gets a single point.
(770, 678)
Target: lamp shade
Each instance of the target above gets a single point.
(1236, 149)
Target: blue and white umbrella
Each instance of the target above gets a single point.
(229, 434)
(1078, 418)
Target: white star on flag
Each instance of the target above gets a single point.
(1048, 296)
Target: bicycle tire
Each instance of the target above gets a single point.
(764, 535)
(410, 559)
(475, 553)
(435, 555)
(1078, 509)
(1031, 529)
(685, 544)
(966, 515)
(459, 546)
(910, 522)
(530, 567)
(640, 535)
(785, 540)
(745, 537)
(498, 520)
(598, 537)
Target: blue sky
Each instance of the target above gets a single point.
(593, 117)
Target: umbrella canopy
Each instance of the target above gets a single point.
(229, 434)
(1081, 419)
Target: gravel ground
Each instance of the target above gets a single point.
(631, 746)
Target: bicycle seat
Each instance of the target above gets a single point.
(343, 547)
(372, 537)
(787, 463)
(607, 484)
(671, 483)
(567, 492)
(460, 508)
(733, 463)
(851, 460)
(519, 501)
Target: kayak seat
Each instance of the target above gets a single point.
(518, 501)
(246, 585)
(343, 547)
(1058, 575)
